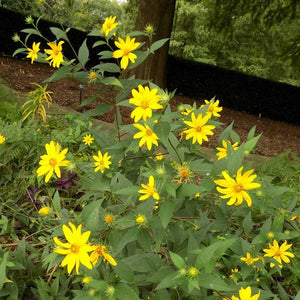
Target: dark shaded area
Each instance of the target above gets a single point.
(275, 100)
(13, 22)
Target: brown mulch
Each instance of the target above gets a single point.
(277, 136)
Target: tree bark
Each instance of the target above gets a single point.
(160, 14)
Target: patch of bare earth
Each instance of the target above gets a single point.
(277, 137)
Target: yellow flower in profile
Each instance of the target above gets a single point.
(88, 139)
(92, 76)
(55, 54)
(45, 210)
(159, 156)
(109, 219)
(235, 189)
(149, 190)
(2, 139)
(52, 161)
(198, 131)
(234, 272)
(279, 253)
(109, 25)
(245, 294)
(86, 280)
(249, 260)
(33, 52)
(213, 108)
(100, 251)
(76, 249)
(101, 161)
(146, 100)
(146, 136)
(292, 218)
(223, 151)
(125, 51)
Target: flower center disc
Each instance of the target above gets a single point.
(149, 132)
(52, 162)
(198, 128)
(238, 188)
(145, 103)
(74, 248)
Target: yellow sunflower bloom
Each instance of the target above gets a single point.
(125, 51)
(76, 249)
(223, 151)
(245, 294)
(140, 219)
(213, 108)
(235, 189)
(101, 161)
(2, 139)
(146, 100)
(44, 211)
(279, 253)
(149, 190)
(88, 139)
(249, 260)
(52, 161)
(146, 135)
(100, 251)
(198, 131)
(55, 54)
(109, 25)
(33, 52)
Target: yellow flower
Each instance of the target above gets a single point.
(124, 51)
(55, 54)
(45, 210)
(52, 161)
(184, 174)
(193, 272)
(76, 249)
(109, 25)
(233, 273)
(100, 251)
(270, 235)
(159, 156)
(109, 219)
(149, 29)
(213, 108)
(235, 189)
(278, 253)
(149, 190)
(33, 53)
(92, 76)
(198, 131)
(245, 294)
(292, 218)
(86, 280)
(2, 139)
(248, 259)
(140, 219)
(145, 100)
(223, 151)
(146, 135)
(101, 161)
(88, 139)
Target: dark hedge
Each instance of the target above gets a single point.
(254, 95)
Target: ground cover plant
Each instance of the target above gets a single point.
(137, 211)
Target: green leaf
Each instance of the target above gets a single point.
(128, 237)
(112, 81)
(166, 211)
(96, 32)
(162, 129)
(108, 67)
(168, 281)
(59, 34)
(105, 54)
(125, 292)
(56, 202)
(250, 144)
(247, 223)
(42, 288)
(187, 190)
(157, 44)
(62, 72)
(3, 269)
(124, 271)
(213, 282)
(90, 215)
(83, 53)
(171, 189)
(177, 260)
(31, 31)
(19, 50)
(99, 110)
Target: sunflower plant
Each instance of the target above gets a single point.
(140, 210)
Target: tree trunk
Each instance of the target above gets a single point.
(160, 14)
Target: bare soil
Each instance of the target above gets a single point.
(277, 137)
